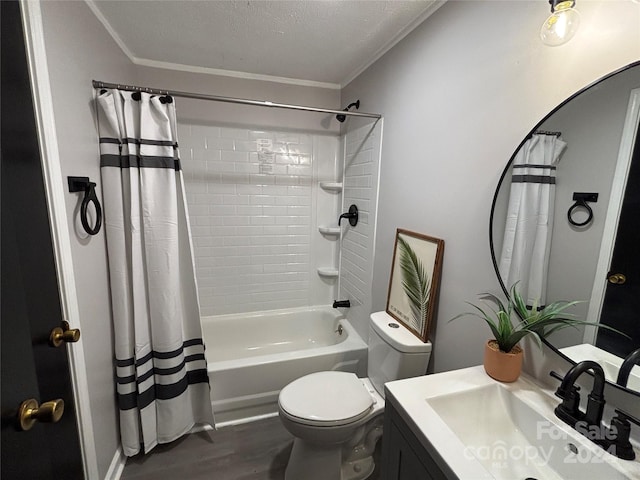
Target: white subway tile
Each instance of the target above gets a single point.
(234, 157)
(236, 240)
(261, 134)
(252, 230)
(261, 200)
(245, 146)
(249, 189)
(212, 156)
(222, 188)
(274, 210)
(236, 199)
(250, 168)
(285, 137)
(235, 133)
(301, 170)
(250, 210)
(218, 144)
(304, 159)
(262, 220)
(275, 190)
(264, 217)
(275, 230)
(287, 159)
(236, 220)
(295, 210)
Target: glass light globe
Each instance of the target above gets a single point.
(561, 25)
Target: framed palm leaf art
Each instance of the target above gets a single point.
(415, 276)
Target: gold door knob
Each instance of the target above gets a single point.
(617, 278)
(30, 413)
(60, 335)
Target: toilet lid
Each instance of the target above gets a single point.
(331, 398)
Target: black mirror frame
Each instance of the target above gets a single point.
(504, 174)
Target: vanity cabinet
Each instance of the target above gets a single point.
(403, 456)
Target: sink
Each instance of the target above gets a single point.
(482, 429)
(513, 441)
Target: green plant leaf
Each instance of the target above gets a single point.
(415, 283)
(537, 323)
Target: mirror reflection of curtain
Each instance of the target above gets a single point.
(529, 224)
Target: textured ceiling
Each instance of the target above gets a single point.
(327, 41)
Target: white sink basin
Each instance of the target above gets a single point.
(513, 441)
(483, 429)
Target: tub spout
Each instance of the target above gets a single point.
(341, 304)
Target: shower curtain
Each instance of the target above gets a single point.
(529, 223)
(162, 382)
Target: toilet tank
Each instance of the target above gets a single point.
(394, 352)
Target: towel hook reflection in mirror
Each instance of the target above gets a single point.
(83, 184)
(581, 200)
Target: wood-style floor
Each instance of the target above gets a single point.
(257, 450)
(253, 451)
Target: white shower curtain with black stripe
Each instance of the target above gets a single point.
(529, 223)
(162, 381)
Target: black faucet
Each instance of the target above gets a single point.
(341, 304)
(625, 369)
(615, 439)
(569, 410)
(351, 215)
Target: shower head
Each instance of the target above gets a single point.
(342, 118)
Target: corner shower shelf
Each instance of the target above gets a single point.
(328, 272)
(329, 230)
(331, 186)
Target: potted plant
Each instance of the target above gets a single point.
(502, 354)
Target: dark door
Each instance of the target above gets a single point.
(30, 302)
(619, 309)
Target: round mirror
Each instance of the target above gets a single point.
(565, 221)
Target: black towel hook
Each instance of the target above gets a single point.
(581, 200)
(83, 184)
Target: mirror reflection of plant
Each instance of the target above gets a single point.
(415, 283)
(539, 323)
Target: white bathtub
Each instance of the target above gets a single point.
(252, 356)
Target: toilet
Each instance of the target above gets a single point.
(336, 417)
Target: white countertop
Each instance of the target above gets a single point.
(412, 395)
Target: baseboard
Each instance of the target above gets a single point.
(117, 465)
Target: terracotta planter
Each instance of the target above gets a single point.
(501, 366)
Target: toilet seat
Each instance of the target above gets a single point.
(326, 399)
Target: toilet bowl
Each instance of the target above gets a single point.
(336, 417)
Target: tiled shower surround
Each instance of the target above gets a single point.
(255, 205)
(254, 208)
(361, 146)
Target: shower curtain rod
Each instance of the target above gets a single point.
(217, 98)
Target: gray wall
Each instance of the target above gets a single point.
(78, 50)
(457, 98)
(202, 112)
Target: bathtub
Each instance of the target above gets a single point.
(252, 356)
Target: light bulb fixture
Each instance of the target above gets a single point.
(562, 24)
